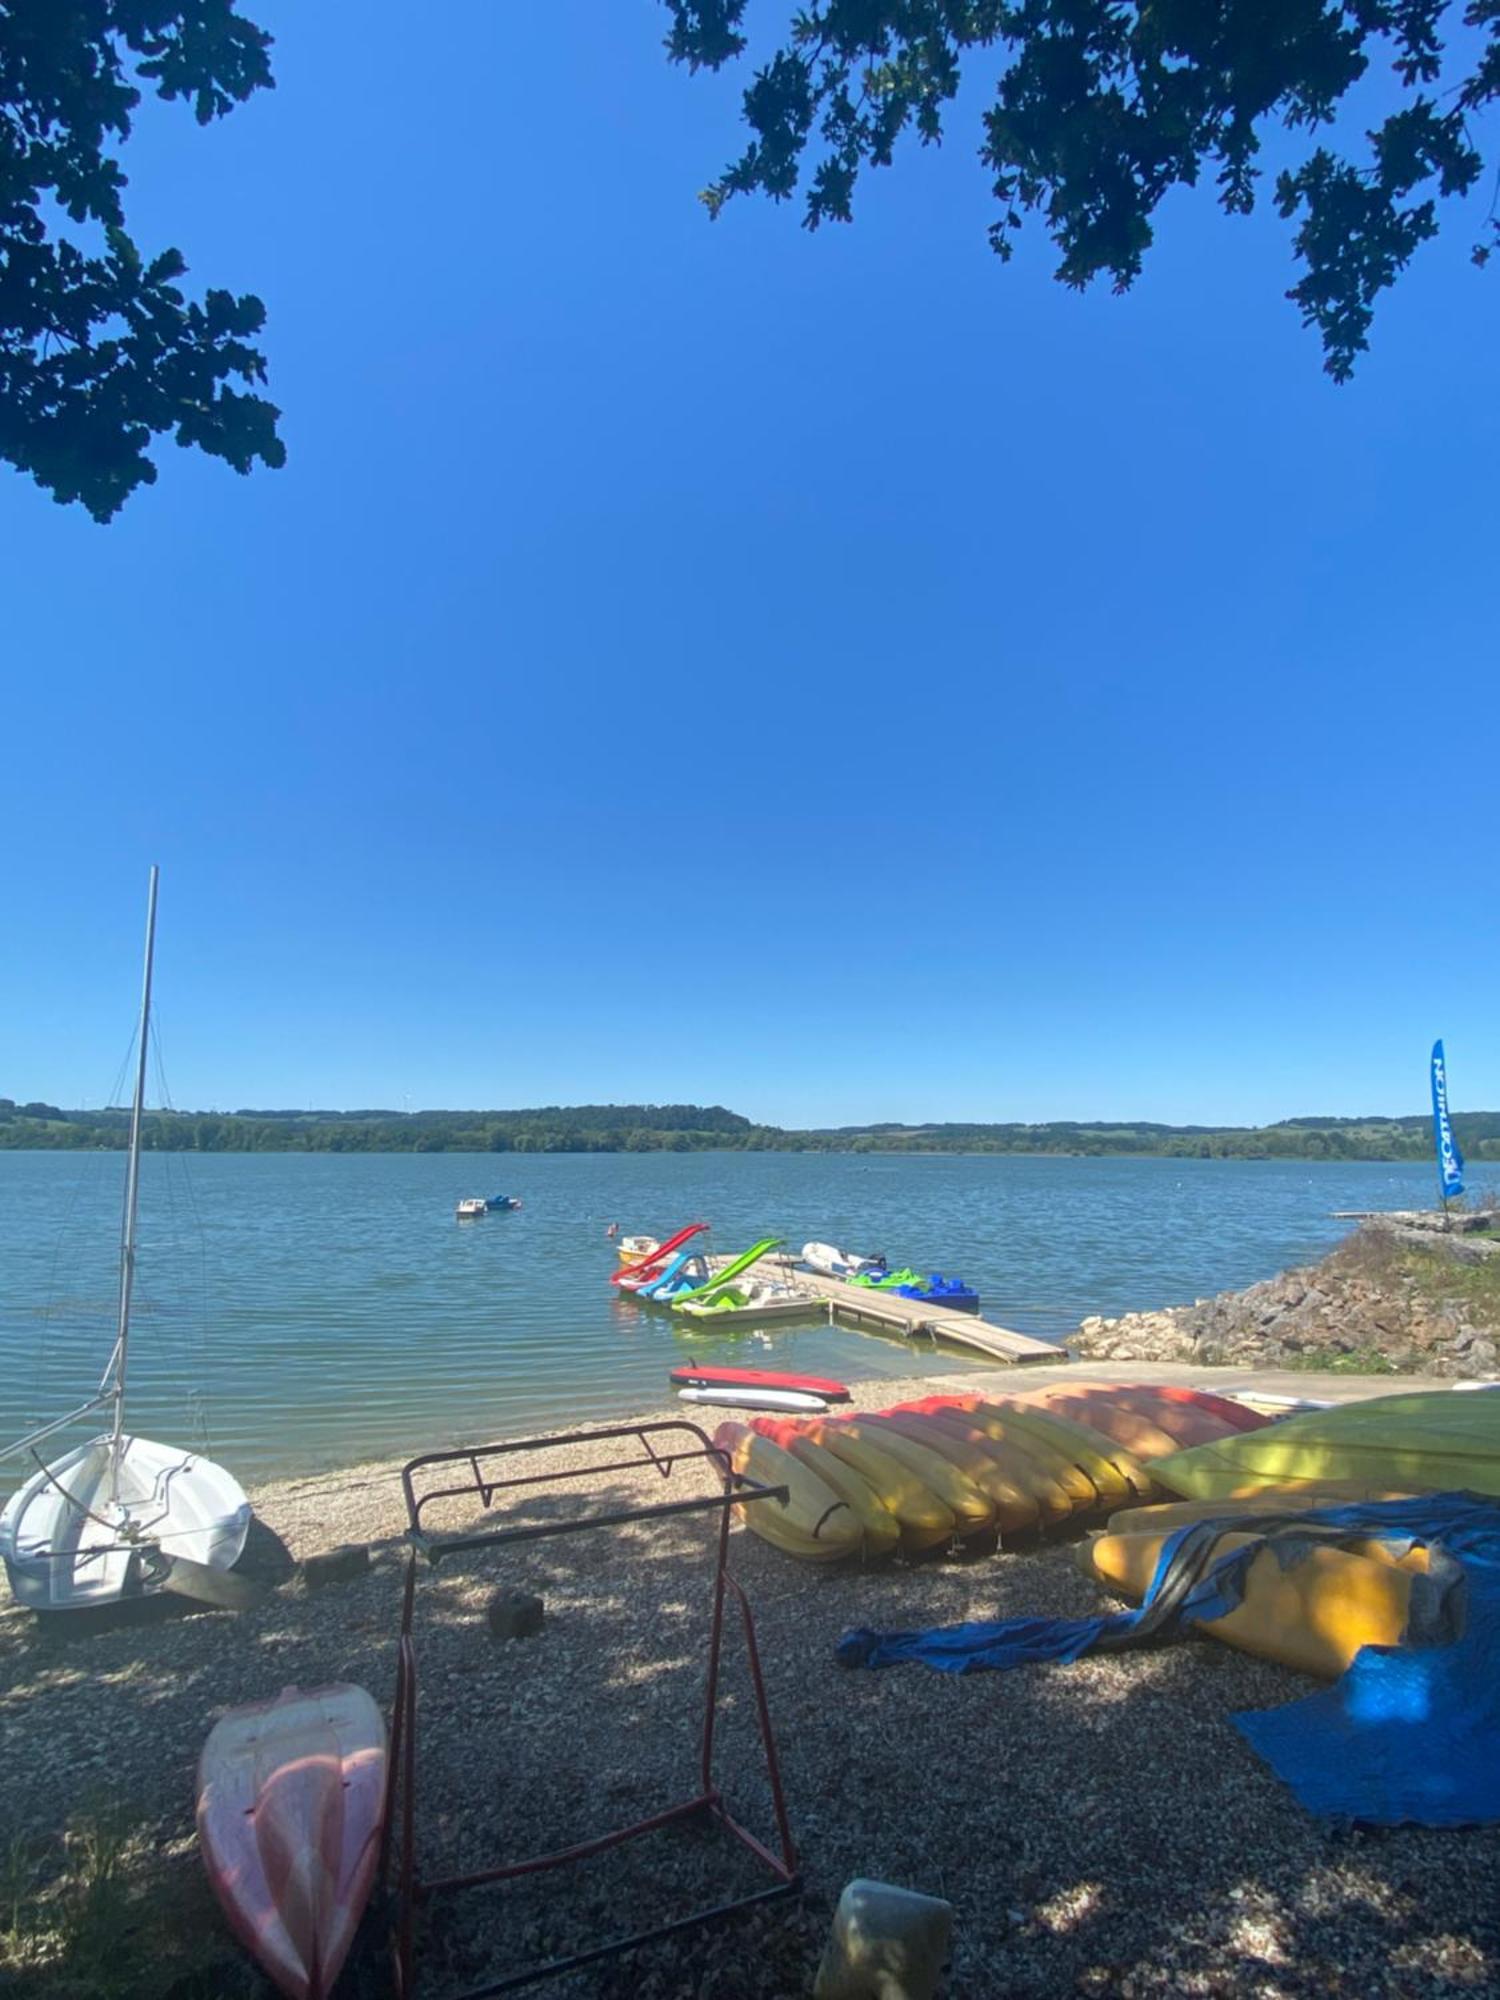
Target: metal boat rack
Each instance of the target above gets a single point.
(663, 1445)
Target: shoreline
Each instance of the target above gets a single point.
(1023, 1798)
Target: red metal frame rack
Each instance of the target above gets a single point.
(659, 1448)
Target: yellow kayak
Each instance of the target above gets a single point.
(1052, 1459)
(1130, 1428)
(1434, 1441)
(813, 1522)
(1115, 1472)
(923, 1520)
(1017, 1507)
(1048, 1480)
(1314, 1616)
(1171, 1514)
(972, 1509)
(880, 1528)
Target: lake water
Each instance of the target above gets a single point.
(304, 1310)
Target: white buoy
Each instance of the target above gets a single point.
(886, 1944)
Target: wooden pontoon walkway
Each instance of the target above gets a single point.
(915, 1318)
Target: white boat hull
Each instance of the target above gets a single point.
(58, 1558)
(757, 1308)
(791, 1402)
(830, 1262)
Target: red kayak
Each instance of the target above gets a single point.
(693, 1377)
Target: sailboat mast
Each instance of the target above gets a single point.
(132, 1190)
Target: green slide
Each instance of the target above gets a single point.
(731, 1271)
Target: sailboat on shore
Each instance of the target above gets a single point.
(122, 1516)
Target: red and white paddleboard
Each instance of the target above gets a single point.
(694, 1377)
(291, 1801)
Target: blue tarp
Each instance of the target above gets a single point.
(1407, 1733)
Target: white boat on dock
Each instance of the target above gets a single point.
(831, 1262)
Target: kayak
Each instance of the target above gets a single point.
(1116, 1472)
(813, 1521)
(795, 1401)
(882, 1531)
(1136, 1433)
(1044, 1485)
(1434, 1441)
(1311, 1609)
(291, 1803)
(972, 1509)
(1140, 1417)
(924, 1521)
(692, 1376)
(1052, 1457)
(1017, 1502)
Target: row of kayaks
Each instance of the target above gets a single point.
(945, 1469)
(1107, 1446)
(1150, 1461)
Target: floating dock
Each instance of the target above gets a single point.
(915, 1319)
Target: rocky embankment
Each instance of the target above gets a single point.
(1402, 1295)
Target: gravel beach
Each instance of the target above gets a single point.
(1100, 1828)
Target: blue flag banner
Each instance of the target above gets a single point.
(1450, 1161)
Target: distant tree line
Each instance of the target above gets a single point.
(696, 1128)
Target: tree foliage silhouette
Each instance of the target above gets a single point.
(1103, 107)
(100, 350)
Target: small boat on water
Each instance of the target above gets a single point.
(933, 1289)
(830, 1262)
(749, 1305)
(937, 1290)
(291, 1805)
(660, 1283)
(638, 1249)
(477, 1204)
(121, 1515)
(636, 1262)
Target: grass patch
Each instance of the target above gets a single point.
(101, 1912)
(1473, 1288)
(1436, 1276)
(1343, 1361)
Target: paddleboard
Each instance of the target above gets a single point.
(794, 1401)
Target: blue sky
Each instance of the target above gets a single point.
(836, 676)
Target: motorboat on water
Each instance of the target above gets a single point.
(478, 1204)
(121, 1516)
(830, 1262)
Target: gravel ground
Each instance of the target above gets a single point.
(1100, 1828)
